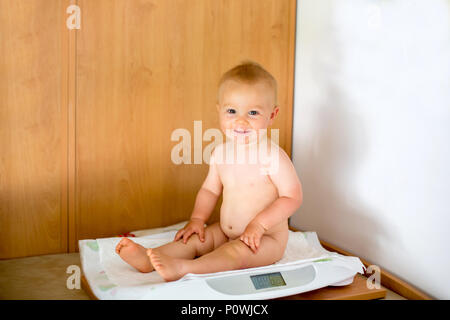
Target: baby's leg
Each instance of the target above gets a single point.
(230, 256)
(136, 255)
(214, 238)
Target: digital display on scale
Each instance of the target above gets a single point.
(268, 280)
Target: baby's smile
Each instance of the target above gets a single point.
(243, 135)
(243, 131)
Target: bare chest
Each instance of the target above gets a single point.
(244, 176)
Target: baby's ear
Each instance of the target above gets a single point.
(274, 113)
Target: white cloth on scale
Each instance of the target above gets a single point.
(112, 278)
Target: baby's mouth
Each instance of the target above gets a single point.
(242, 131)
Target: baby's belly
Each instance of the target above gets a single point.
(239, 208)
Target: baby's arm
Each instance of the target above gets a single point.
(208, 195)
(205, 203)
(290, 199)
(290, 194)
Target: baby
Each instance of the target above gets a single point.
(253, 227)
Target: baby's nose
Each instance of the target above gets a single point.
(241, 121)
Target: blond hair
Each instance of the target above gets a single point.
(249, 72)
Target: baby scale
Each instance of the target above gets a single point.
(270, 283)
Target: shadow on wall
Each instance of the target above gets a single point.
(330, 154)
(328, 174)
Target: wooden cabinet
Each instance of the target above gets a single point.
(85, 126)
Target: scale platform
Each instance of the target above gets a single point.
(332, 278)
(266, 286)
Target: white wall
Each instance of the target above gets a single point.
(372, 132)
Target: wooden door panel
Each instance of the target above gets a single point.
(32, 128)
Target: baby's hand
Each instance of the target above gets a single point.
(252, 235)
(193, 226)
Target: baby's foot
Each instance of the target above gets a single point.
(169, 268)
(134, 254)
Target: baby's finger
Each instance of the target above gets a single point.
(257, 242)
(187, 235)
(247, 241)
(252, 244)
(201, 234)
(179, 234)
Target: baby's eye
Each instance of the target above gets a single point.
(253, 112)
(230, 110)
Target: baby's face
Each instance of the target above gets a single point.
(244, 109)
